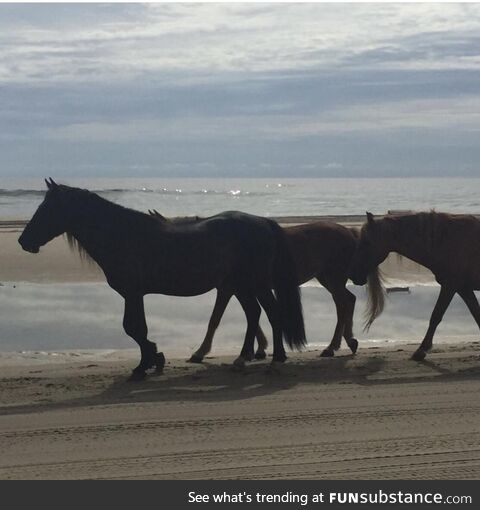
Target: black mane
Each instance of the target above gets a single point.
(122, 221)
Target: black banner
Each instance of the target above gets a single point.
(206, 495)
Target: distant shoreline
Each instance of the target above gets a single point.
(57, 264)
(343, 219)
(347, 219)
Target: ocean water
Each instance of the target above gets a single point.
(19, 198)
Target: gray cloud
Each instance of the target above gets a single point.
(311, 89)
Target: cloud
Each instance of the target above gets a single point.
(429, 114)
(126, 85)
(71, 43)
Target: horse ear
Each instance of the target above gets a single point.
(51, 184)
(370, 218)
(158, 215)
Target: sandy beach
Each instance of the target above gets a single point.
(375, 415)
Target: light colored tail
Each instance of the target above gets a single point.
(376, 298)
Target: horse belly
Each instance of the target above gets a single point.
(476, 281)
(186, 279)
(475, 264)
(186, 290)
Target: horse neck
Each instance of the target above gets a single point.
(96, 229)
(407, 239)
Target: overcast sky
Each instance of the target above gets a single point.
(240, 89)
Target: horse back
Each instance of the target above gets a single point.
(321, 248)
(229, 248)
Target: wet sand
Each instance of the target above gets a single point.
(375, 415)
(54, 264)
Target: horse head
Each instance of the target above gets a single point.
(49, 220)
(370, 252)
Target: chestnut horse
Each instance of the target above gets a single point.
(232, 252)
(447, 244)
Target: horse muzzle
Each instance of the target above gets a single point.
(28, 247)
(359, 280)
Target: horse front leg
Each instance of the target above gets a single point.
(352, 342)
(270, 305)
(135, 326)
(221, 302)
(444, 299)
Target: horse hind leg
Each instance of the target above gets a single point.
(443, 301)
(270, 305)
(262, 344)
(471, 301)
(221, 302)
(252, 311)
(352, 342)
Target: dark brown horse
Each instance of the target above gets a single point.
(235, 253)
(321, 250)
(447, 244)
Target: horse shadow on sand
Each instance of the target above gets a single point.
(211, 381)
(218, 382)
(215, 382)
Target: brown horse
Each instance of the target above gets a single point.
(447, 244)
(232, 252)
(321, 250)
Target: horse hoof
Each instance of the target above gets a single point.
(159, 361)
(353, 344)
(195, 359)
(327, 353)
(419, 355)
(250, 356)
(137, 376)
(239, 363)
(260, 355)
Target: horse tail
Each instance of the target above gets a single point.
(287, 292)
(375, 299)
